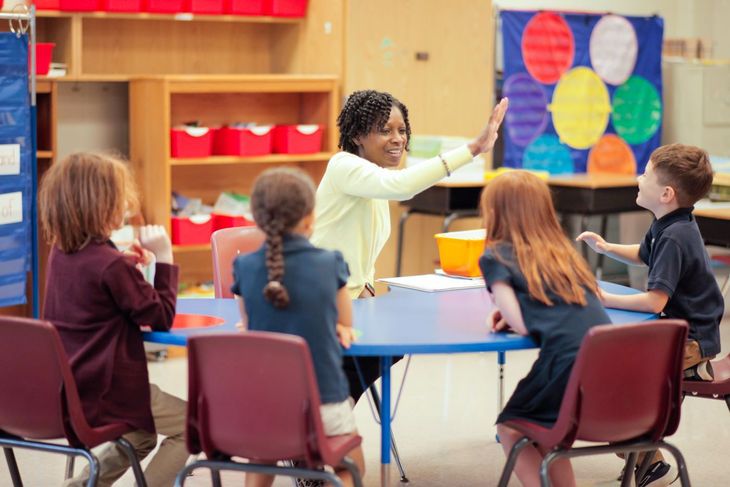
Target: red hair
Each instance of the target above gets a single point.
(517, 209)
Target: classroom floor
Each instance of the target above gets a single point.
(444, 428)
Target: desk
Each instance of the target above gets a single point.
(575, 194)
(400, 322)
(714, 224)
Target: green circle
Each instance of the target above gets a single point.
(637, 110)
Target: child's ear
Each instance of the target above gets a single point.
(668, 195)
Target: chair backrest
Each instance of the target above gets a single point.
(253, 395)
(226, 244)
(39, 396)
(626, 383)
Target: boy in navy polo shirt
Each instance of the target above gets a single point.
(681, 283)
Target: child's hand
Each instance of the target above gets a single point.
(137, 254)
(485, 140)
(497, 323)
(594, 241)
(345, 334)
(240, 326)
(154, 238)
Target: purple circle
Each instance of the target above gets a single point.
(527, 116)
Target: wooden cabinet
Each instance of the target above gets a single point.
(159, 103)
(101, 46)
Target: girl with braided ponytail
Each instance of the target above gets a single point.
(291, 286)
(353, 213)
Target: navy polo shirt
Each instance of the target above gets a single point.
(679, 266)
(312, 277)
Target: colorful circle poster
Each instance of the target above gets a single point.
(585, 91)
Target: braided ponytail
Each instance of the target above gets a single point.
(280, 198)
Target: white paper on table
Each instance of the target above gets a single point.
(433, 282)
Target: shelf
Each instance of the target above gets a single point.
(267, 159)
(44, 154)
(191, 248)
(179, 17)
(90, 78)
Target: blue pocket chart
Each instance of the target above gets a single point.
(16, 159)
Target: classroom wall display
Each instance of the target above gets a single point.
(16, 175)
(585, 91)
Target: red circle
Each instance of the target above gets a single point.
(548, 47)
(183, 320)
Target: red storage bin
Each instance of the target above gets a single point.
(297, 139)
(211, 7)
(191, 142)
(47, 4)
(248, 141)
(43, 56)
(191, 230)
(121, 5)
(79, 5)
(226, 221)
(164, 6)
(246, 7)
(287, 8)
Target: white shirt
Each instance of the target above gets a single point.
(352, 213)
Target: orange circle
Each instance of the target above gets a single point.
(611, 155)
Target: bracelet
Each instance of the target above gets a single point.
(446, 166)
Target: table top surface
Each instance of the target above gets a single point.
(716, 213)
(399, 322)
(581, 181)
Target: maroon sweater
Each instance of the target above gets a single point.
(98, 300)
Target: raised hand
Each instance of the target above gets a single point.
(484, 142)
(154, 238)
(594, 241)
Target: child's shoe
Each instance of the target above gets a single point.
(700, 372)
(659, 474)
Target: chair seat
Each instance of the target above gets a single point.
(719, 387)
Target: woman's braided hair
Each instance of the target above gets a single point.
(364, 111)
(281, 197)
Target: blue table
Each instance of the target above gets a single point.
(402, 322)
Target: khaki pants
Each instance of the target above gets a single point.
(693, 354)
(169, 415)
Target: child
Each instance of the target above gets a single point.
(98, 299)
(681, 283)
(291, 286)
(540, 287)
(353, 214)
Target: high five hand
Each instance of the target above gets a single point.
(485, 141)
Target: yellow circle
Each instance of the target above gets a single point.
(580, 108)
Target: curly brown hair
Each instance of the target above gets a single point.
(281, 197)
(685, 168)
(365, 111)
(83, 198)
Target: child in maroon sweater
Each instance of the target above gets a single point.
(98, 299)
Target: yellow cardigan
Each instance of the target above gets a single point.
(352, 213)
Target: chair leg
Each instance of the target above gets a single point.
(681, 464)
(183, 474)
(133, 460)
(354, 471)
(13, 467)
(545, 467)
(629, 469)
(69, 471)
(727, 401)
(511, 460)
(215, 477)
(645, 463)
(93, 468)
(393, 447)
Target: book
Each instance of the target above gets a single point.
(433, 282)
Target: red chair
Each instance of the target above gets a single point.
(254, 395)
(719, 388)
(226, 244)
(40, 400)
(624, 391)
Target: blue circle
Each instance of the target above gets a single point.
(546, 153)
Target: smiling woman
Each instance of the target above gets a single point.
(351, 212)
